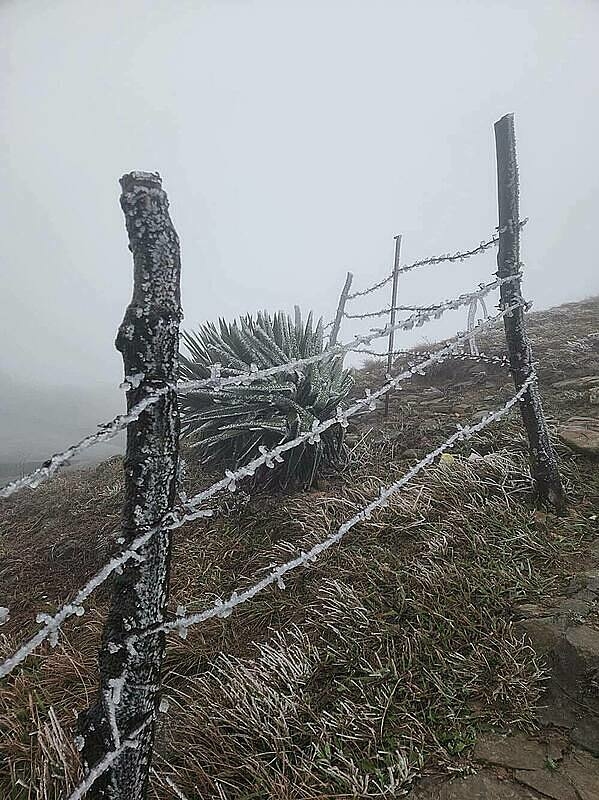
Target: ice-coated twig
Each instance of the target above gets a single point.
(223, 609)
(459, 256)
(107, 431)
(109, 759)
(175, 520)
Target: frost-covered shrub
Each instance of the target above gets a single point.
(227, 427)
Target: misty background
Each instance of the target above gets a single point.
(294, 139)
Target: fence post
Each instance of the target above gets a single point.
(544, 467)
(340, 309)
(148, 339)
(392, 318)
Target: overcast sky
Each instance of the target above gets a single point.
(295, 139)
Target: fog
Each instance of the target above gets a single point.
(295, 139)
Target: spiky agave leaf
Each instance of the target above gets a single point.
(228, 426)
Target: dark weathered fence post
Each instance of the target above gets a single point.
(149, 342)
(393, 312)
(340, 309)
(544, 466)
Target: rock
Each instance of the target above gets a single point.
(547, 782)
(586, 382)
(588, 580)
(585, 641)
(516, 752)
(586, 734)
(571, 607)
(581, 434)
(544, 633)
(577, 654)
(583, 771)
(594, 396)
(482, 786)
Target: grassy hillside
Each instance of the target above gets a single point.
(383, 660)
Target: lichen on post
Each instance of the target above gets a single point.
(544, 467)
(148, 340)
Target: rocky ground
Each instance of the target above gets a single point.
(561, 760)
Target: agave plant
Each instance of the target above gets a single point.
(228, 426)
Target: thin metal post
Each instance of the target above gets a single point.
(544, 467)
(148, 339)
(393, 309)
(340, 309)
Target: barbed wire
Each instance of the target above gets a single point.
(110, 429)
(173, 520)
(440, 308)
(449, 257)
(484, 358)
(386, 311)
(132, 741)
(224, 609)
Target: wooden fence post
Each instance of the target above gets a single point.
(544, 465)
(340, 309)
(148, 339)
(392, 317)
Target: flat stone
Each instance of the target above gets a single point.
(586, 734)
(482, 786)
(585, 641)
(544, 633)
(571, 607)
(581, 434)
(583, 770)
(515, 752)
(547, 782)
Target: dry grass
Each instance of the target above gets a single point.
(380, 661)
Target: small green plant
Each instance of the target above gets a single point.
(228, 426)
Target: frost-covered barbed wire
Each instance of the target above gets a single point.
(51, 623)
(386, 311)
(467, 298)
(416, 320)
(225, 608)
(175, 519)
(483, 358)
(108, 430)
(449, 257)
(131, 742)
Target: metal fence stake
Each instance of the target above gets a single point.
(392, 317)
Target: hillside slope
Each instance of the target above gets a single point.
(392, 657)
